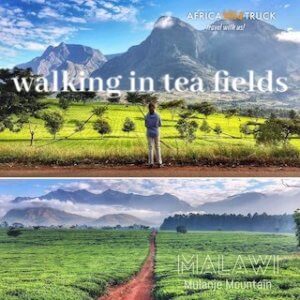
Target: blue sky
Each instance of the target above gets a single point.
(27, 27)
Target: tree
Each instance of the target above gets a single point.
(205, 127)
(79, 126)
(14, 105)
(133, 97)
(102, 127)
(269, 133)
(54, 121)
(187, 129)
(254, 113)
(293, 114)
(64, 103)
(218, 129)
(229, 222)
(141, 98)
(114, 98)
(275, 131)
(66, 98)
(245, 129)
(99, 111)
(128, 125)
(181, 229)
(32, 132)
(229, 113)
(173, 106)
(297, 221)
(288, 127)
(204, 108)
(186, 114)
(14, 232)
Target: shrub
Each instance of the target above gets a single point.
(218, 129)
(187, 129)
(205, 127)
(14, 232)
(102, 127)
(99, 111)
(128, 125)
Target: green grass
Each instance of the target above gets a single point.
(68, 264)
(119, 147)
(285, 284)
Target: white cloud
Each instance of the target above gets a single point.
(115, 13)
(289, 36)
(34, 46)
(8, 51)
(17, 32)
(5, 204)
(18, 10)
(164, 22)
(72, 186)
(286, 5)
(48, 12)
(75, 20)
(193, 191)
(24, 24)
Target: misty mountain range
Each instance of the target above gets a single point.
(163, 203)
(166, 204)
(177, 48)
(47, 216)
(253, 202)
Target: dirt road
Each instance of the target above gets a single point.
(140, 286)
(142, 171)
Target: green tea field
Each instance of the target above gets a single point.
(81, 264)
(65, 264)
(119, 147)
(226, 265)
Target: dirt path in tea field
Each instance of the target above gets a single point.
(8, 170)
(140, 286)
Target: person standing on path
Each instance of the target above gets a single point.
(152, 123)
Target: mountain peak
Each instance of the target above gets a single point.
(71, 57)
(165, 22)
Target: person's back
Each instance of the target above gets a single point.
(152, 123)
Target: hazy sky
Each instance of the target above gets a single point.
(27, 27)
